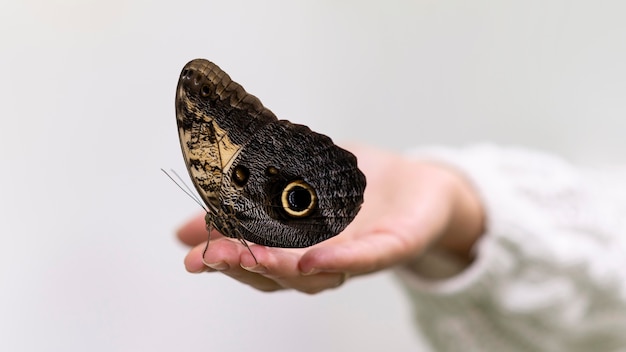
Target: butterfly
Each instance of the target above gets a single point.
(264, 180)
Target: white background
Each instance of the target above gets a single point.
(88, 260)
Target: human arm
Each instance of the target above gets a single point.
(548, 273)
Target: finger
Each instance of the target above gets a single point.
(281, 266)
(223, 255)
(380, 248)
(220, 254)
(194, 232)
(358, 257)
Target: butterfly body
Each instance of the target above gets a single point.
(264, 180)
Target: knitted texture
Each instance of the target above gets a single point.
(550, 271)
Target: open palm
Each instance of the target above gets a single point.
(407, 206)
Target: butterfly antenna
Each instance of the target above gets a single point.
(189, 191)
(179, 181)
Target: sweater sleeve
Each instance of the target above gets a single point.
(550, 271)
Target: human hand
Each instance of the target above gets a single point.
(408, 207)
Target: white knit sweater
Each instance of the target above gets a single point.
(550, 273)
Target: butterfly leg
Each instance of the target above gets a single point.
(240, 238)
(209, 227)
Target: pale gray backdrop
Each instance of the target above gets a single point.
(88, 261)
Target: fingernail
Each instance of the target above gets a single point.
(198, 271)
(259, 269)
(218, 266)
(313, 271)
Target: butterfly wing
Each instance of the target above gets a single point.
(302, 188)
(267, 181)
(215, 117)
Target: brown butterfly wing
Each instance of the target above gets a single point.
(264, 180)
(215, 116)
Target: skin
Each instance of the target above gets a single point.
(410, 207)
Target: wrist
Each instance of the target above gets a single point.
(467, 218)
